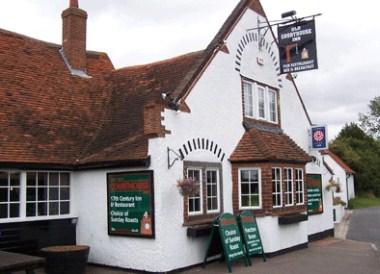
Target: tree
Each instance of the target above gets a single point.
(370, 122)
(362, 153)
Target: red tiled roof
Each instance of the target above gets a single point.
(262, 145)
(338, 160)
(47, 115)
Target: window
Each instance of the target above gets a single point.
(212, 190)
(299, 186)
(288, 179)
(249, 188)
(195, 200)
(260, 102)
(272, 105)
(261, 95)
(47, 193)
(248, 99)
(9, 195)
(276, 187)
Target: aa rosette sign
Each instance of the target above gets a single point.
(318, 136)
(297, 47)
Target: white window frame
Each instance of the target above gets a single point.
(300, 184)
(277, 191)
(9, 188)
(200, 212)
(259, 186)
(251, 99)
(286, 181)
(217, 210)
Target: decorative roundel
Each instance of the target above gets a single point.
(247, 39)
(318, 135)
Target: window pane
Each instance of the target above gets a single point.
(42, 194)
(248, 99)
(245, 200)
(42, 209)
(42, 179)
(261, 94)
(53, 179)
(254, 175)
(65, 193)
(15, 179)
(65, 179)
(254, 200)
(14, 194)
(3, 195)
(53, 194)
(30, 209)
(31, 178)
(31, 194)
(245, 188)
(244, 174)
(255, 188)
(3, 210)
(3, 179)
(14, 210)
(65, 207)
(53, 208)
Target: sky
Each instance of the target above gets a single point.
(142, 31)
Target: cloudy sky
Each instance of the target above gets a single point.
(142, 31)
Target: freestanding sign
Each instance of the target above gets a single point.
(130, 204)
(251, 234)
(297, 46)
(314, 194)
(318, 136)
(230, 239)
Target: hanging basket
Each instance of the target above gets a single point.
(188, 187)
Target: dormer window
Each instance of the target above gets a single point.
(260, 102)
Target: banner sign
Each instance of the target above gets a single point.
(226, 229)
(314, 194)
(131, 204)
(319, 137)
(251, 234)
(297, 47)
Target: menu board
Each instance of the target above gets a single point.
(314, 194)
(250, 233)
(131, 204)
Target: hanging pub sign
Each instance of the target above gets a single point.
(225, 232)
(251, 234)
(314, 194)
(130, 204)
(318, 135)
(297, 46)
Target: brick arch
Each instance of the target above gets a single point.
(201, 144)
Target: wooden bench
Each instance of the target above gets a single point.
(12, 262)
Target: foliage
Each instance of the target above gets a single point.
(370, 122)
(188, 186)
(362, 153)
(363, 202)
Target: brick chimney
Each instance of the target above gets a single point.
(74, 36)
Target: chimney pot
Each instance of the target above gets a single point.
(74, 4)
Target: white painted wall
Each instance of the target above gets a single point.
(216, 114)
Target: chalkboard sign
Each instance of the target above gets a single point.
(251, 234)
(314, 194)
(230, 239)
(131, 204)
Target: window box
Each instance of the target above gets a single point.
(292, 219)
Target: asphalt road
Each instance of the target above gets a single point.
(365, 226)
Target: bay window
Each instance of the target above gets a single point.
(260, 102)
(276, 187)
(288, 179)
(299, 182)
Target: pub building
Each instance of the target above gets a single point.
(91, 154)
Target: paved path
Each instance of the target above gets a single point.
(365, 225)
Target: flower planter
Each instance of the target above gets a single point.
(66, 259)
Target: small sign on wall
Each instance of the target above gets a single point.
(131, 204)
(314, 194)
(318, 136)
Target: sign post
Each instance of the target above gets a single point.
(251, 234)
(297, 46)
(314, 194)
(130, 204)
(230, 238)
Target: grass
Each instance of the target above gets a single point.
(363, 202)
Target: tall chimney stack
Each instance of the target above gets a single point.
(74, 36)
